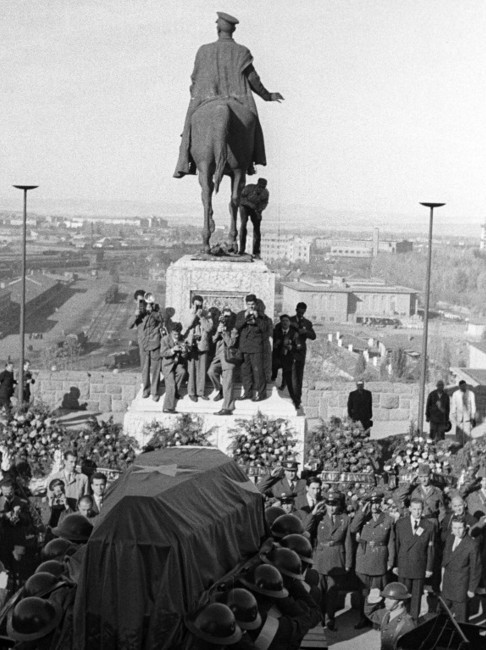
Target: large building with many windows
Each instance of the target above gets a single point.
(355, 301)
(285, 247)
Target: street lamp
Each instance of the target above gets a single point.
(20, 389)
(420, 422)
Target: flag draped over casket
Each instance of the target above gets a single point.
(177, 521)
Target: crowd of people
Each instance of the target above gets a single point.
(210, 344)
(427, 540)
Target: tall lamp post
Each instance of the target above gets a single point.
(423, 377)
(20, 386)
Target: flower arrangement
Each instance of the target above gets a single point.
(33, 435)
(468, 460)
(105, 444)
(188, 430)
(409, 451)
(262, 442)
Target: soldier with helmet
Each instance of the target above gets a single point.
(333, 555)
(284, 623)
(213, 627)
(391, 614)
(375, 554)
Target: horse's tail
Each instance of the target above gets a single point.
(220, 143)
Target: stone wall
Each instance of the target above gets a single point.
(109, 392)
(104, 392)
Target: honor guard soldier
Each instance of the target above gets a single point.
(375, 553)
(333, 554)
(391, 614)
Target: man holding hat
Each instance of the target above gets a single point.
(360, 405)
(391, 613)
(375, 554)
(333, 555)
(224, 70)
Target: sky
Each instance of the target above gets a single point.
(384, 99)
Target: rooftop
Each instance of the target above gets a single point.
(479, 345)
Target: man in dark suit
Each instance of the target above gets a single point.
(284, 342)
(333, 555)
(306, 504)
(98, 487)
(415, 542)
(437, 411)
(173, 355)
(305, 332)
(252, 328)
(461, 570)
(360, 405)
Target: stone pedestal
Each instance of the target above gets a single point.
(220, 281)
(277, 405)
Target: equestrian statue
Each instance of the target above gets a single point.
(222, 133)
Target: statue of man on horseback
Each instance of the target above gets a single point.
(222, 132)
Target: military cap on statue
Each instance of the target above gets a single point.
(229, 19)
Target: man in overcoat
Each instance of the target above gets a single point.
(415, 551)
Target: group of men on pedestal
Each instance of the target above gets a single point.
(209, 344)
(424, 544)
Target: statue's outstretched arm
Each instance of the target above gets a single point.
(258, 88)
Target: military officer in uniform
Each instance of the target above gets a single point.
(375, 554)
(431, 496)
(391, 614)
(289, 483)
(333, 554)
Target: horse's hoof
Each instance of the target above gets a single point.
(212, 226)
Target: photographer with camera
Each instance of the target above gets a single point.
(151, 321)
(59, 505)
(196, 332)
(252, 329)
(221, 371)
(136, 321)
(173, 353)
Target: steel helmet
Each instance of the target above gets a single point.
(285, 560)
(396, 590)
(74, 527)
(286, 525)
(40, 584)
(53, 567)
(265, 580)
(300, 545)
(32, 618)
(57, 549)
(215, 623)
(244, 606)
(272, 513)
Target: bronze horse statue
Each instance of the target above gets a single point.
(222, 136)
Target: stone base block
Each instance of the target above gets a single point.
(144, 411)
(220, 282)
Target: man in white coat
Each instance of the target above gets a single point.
(463, 411)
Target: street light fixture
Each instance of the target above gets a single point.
(20, 386)
(420, 421)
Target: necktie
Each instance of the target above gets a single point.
(456, 543)
(415, 526)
